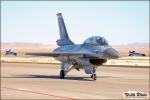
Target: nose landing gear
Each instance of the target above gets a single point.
(93, 76)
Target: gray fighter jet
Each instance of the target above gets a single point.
(9, 52)
(133, 53)
(92, 53)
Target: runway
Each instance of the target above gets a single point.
(41, 81)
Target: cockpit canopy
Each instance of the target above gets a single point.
(96, 40)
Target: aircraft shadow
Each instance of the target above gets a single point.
(56, 77)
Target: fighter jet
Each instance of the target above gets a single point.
(89, 55)
(133, 53)
(9, 52)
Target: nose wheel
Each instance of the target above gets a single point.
(62, 74)
(93, 76)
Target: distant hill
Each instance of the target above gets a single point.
(139, 44)
(23, 46)
(144, 45)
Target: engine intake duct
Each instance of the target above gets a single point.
(97, 61)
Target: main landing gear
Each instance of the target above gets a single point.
(62, 74)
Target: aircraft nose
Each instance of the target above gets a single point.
(111, 53)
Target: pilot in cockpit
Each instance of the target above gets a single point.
(96, 40)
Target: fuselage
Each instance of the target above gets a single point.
(99, 54)
(81, 48)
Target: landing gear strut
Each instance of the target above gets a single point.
(93, 76)
(62, 74)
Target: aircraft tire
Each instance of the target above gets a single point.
(94, 76)
(62, 74)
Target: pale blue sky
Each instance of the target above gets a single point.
(120, 22)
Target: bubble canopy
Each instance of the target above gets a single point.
(96, 40)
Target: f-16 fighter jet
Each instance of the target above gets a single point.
(94, 52)
(9, 52)
(133, 53)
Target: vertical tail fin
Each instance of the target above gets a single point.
(64, 38)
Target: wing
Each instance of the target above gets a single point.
(64, 54)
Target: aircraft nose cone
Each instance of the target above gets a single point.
(111, 53)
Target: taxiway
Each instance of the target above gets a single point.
(41, 81)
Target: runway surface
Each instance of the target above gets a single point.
(41, 81)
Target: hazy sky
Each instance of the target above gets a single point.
(120, 22)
